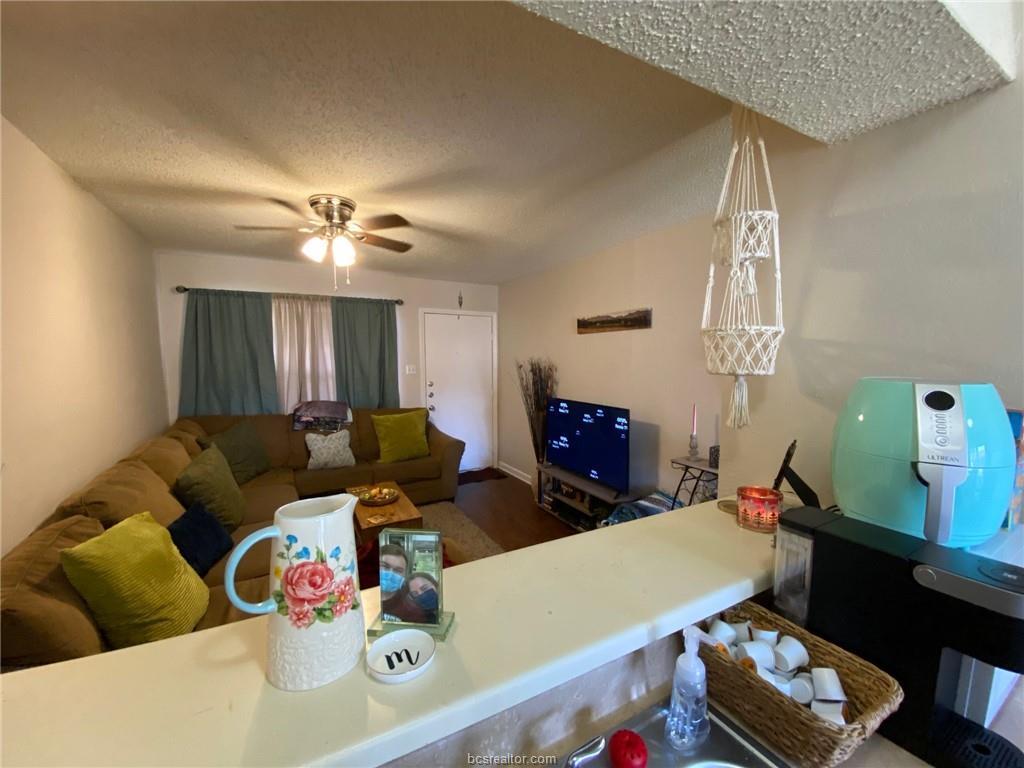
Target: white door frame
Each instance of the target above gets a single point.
(424, 311)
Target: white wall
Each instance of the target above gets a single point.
(902, 254)
(657, 373)
(206, 270)
(82, 383)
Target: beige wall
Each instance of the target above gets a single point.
(206, 270)
(657, 373)
(902, 254)
(82, 382)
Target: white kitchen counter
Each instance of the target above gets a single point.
(526, 621)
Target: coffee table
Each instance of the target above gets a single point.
(370, 521)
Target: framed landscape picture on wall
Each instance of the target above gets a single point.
(630, 320)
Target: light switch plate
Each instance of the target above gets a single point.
(410, 370)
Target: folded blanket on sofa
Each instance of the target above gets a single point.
(321, 415)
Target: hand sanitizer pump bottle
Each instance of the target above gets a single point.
(687, 725)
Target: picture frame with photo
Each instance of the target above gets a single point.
(411, 582)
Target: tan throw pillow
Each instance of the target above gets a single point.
(127, 488)
(330, 451)
(42, 618)
(187, 439)
(165, 456)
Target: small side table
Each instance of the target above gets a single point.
(698, 472)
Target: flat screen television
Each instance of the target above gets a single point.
(589, 439)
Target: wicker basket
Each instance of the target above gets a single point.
(792, 729)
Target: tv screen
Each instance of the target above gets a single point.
(589, 439)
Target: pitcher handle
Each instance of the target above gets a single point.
(268, 605)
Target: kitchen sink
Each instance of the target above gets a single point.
(727, 746)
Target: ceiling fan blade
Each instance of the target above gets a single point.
(248, 228)
(387, 221)
(384, 242)
(290, 206)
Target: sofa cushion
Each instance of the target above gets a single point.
(262, 501)
(42, 618)
(127, 488)
(242, 447)
(190, 426)
(401, 436)
(255, 563)
(318, 482)
(426, 468)
(274, 431)
(208, 480)
(165, 456)
(221, 610)
(188, 441)
(330, 451)
(200, 538)
(273, 476)
(138, 586)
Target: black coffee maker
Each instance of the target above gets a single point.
(913, 609)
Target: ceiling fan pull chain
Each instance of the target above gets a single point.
(348, 278)
(335, 267)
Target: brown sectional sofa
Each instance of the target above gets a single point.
(44, 620)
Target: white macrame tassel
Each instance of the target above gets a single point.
(739, 408)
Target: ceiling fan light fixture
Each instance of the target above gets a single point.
(315, 248)
(343, 252)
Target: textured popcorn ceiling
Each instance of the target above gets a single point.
(829, 70)
(510, 142)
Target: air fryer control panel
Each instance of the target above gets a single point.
(941, 438)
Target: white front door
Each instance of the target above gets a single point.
(458, 379)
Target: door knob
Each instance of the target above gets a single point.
(431, 408)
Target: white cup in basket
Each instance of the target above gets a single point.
(801, 688)
(790, 654)
(830, 710)
(826, 685)
(759, 651)
(722, 632)
(742, 630)
(770, 636)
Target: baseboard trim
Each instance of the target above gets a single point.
(518, 474)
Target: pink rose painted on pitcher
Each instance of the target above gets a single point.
(311, 590)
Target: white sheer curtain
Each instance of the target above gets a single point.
(303, 349)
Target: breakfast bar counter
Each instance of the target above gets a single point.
(526, 622)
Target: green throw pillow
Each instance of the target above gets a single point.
(402, 435)
(138, 586)
(242, 447)
(208, 480)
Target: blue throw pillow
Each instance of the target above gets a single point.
(200, 538)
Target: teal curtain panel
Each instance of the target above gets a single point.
(227, 354)
(366, 352)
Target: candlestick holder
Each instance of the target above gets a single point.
(694, 452)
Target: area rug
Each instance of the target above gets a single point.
(480, 475)
(467, 540)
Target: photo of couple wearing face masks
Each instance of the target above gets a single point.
(408, 594)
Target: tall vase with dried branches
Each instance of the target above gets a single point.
(538, 378)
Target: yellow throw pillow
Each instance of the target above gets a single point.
(402, 435)
(136, 583)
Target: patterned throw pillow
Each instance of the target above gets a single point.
(330, 451)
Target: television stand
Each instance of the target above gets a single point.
(576, 500)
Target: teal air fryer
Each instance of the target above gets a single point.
(934, 461)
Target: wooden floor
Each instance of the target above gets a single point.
(508, 513)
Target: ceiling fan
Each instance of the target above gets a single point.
(335, 229)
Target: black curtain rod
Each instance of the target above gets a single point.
(399, 302)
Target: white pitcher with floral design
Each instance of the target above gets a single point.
(316, 631)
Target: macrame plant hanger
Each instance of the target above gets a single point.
(746, 234)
